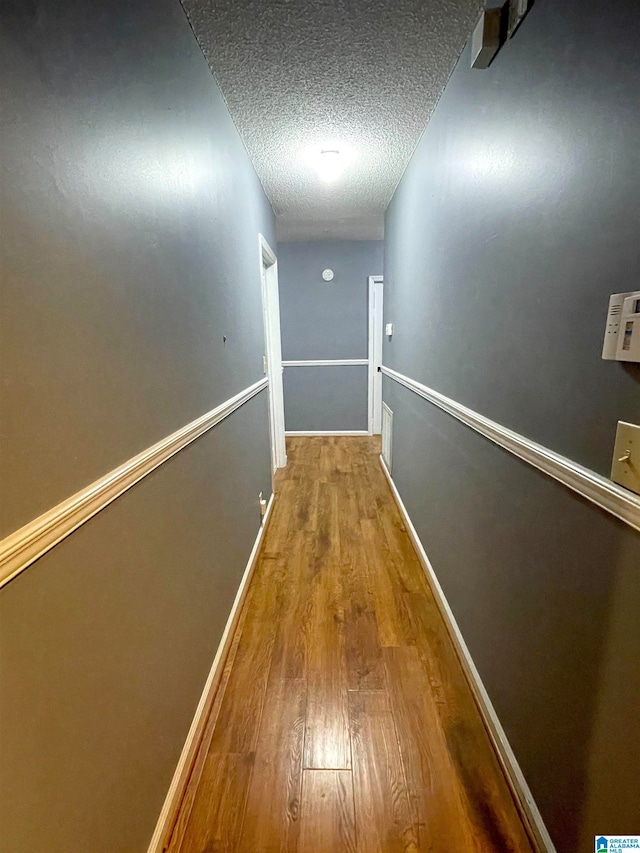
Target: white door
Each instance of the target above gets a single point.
(375, 354)
(273, 352)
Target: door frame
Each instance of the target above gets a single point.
(375, 311)
(272, 364)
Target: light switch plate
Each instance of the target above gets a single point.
(625, 468)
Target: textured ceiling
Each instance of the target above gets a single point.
(363, 77)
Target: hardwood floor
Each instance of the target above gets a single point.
(344, 723)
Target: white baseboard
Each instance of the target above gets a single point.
(513, 773)
(170, 808)
(328, 432)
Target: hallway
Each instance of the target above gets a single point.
(343, 721)
(229, 227)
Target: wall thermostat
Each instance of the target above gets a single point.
(622, 334)
(327, 275)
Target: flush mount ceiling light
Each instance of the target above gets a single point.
(327, 160)
(330, 164)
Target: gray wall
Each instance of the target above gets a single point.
(326, 320)
(326, 398)
(129, 217)
(517, 217)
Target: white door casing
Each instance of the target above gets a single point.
(375, 353)
(273, 351)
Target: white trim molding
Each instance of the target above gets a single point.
(169, 813)
(386, 436)
(328, 432)
(23, 547)
(327, 362)
(588, 484)
(374, 377)
(273, 353)
(513, 773)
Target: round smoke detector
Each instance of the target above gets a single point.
(327, 275)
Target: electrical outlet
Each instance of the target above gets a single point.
(263, 505)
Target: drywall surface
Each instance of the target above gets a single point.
(107, 641)
(326, 398)
(130, 215)
(326, 320)
(515, 220)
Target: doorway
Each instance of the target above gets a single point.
(375, 353)
(272, 364)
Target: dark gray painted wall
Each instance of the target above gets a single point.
(326, 320)
(325, 398)
(129, 215)
(542, 585)
(516, 219)
(106, 643)
(129, 218)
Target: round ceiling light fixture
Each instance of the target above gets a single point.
(329, 164)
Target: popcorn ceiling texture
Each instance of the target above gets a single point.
(360, 76)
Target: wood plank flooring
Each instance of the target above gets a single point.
(344, 723)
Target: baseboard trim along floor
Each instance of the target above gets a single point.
(164, 827)
(514, 775)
